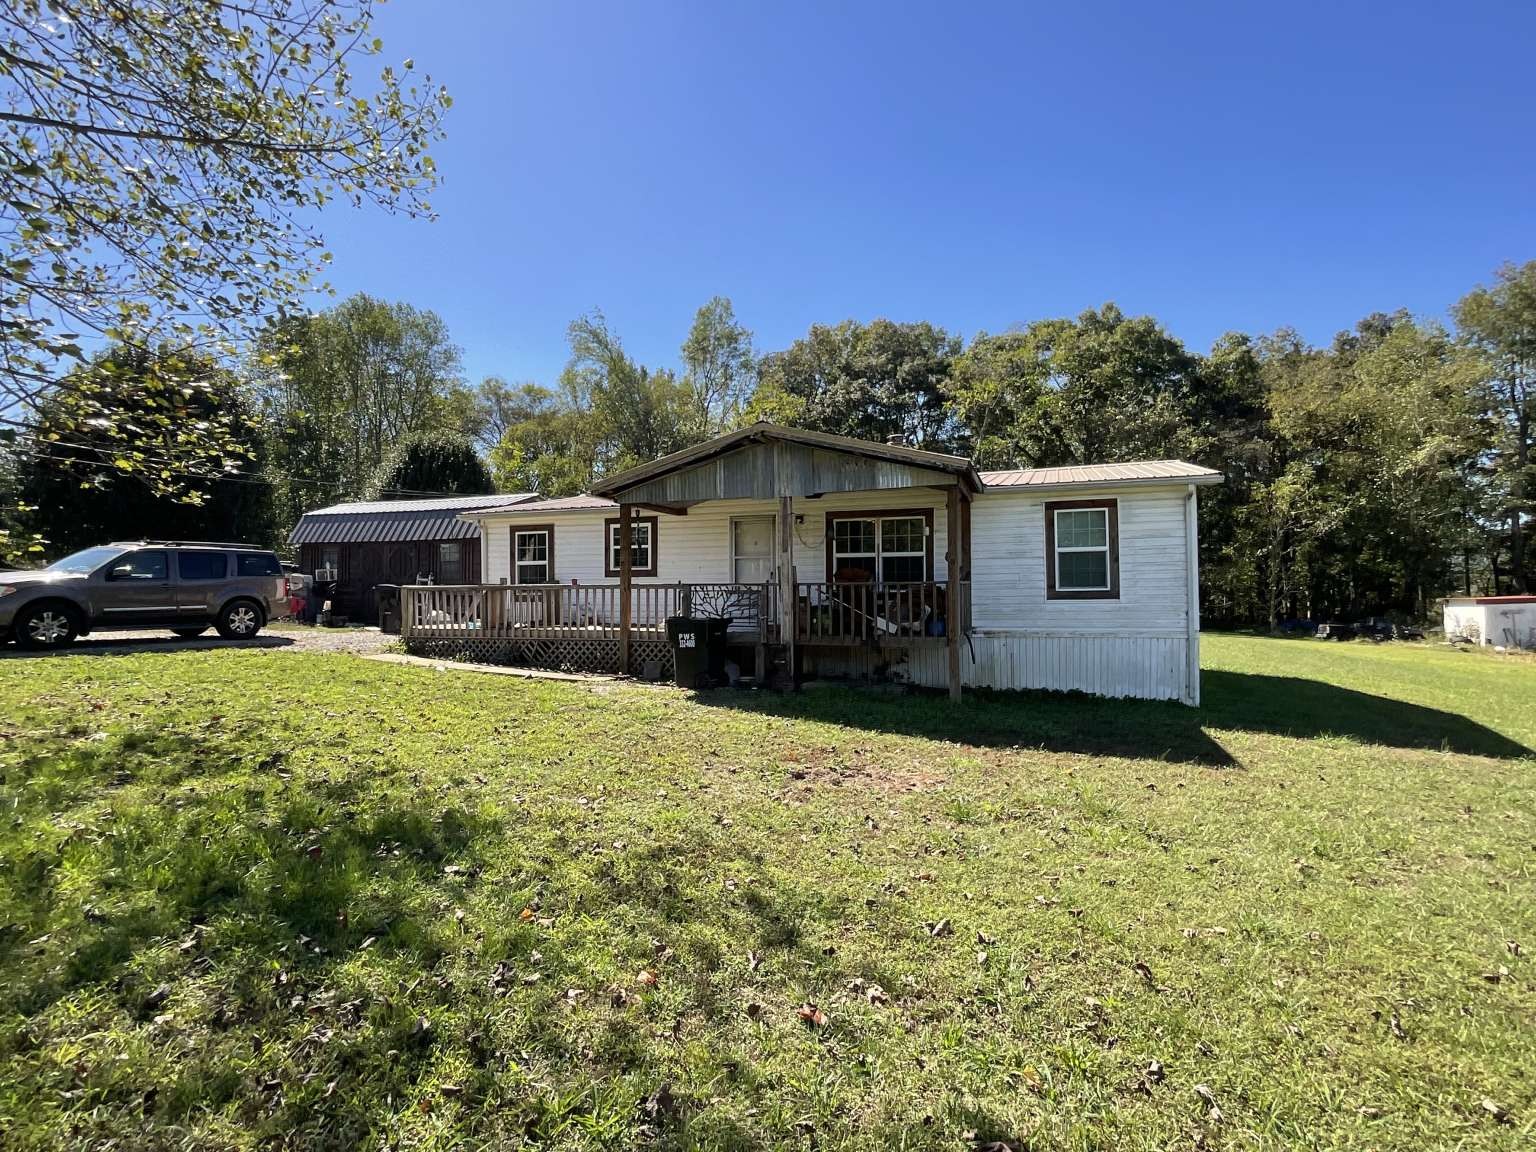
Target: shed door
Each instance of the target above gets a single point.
(751, 549)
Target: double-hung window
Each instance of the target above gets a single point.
(886, 548)
(642, 546)
(1082, 550)
(450, 562)
(533, 555)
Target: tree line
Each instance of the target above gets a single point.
(1376, 474)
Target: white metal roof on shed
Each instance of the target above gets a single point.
(433, 504)
(1079, 475)
(581, 503)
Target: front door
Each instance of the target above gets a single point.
(138, 590)
(752, 549)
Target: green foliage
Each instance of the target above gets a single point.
(608, 412)
(1103, 387)
(548, 444)
(432, 463)
(719, 368)
(343, 388)
(873, 381)
(147, 467)
(415, 909)
(1499, 323)
(161, 164)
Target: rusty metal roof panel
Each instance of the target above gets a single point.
(1106, 475)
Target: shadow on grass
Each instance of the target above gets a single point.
(1140, 729)
(150, 642)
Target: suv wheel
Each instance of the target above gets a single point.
(240, 620)
(46, 626)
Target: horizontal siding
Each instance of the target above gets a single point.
(696, 548)
(1008, 567)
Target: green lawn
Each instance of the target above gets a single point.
(252, 899)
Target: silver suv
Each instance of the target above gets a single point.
(182, 585)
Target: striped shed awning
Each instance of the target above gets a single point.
(398, 521)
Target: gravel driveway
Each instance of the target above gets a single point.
(281, 638)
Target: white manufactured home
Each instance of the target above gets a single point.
(838, 557)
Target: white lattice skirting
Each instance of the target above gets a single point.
(574, 654)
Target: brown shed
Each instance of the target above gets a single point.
(393, 542)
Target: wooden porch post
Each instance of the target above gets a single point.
(626, 580)
(789, 608)
(953, 569)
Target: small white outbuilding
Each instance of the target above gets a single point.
(1503, 621)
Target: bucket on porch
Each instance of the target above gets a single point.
(698, 650)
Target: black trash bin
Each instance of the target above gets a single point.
(698, 650)
(389, 607)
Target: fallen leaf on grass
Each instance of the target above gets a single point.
(646, 978)
(754, 961)
(754, 1011)
(1214, 1114)
(940, 927)
(1370, 1112)
(1497, 975)
(811, 1015)
(1496, 1110)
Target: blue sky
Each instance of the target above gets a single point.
(1219, 166)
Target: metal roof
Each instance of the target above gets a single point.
(764, 431)
(1105, 475)
(397, 521)
(581, 503)
(435, 504)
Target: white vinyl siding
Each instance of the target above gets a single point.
(696, 548)
(1136, 645)
(1008, 567)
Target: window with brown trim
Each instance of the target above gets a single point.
(881, 547)
(643, 544)
(533, 554)
(1082, 550)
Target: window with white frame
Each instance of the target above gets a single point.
(533, 555)
(888, 548)
(642, 547)
(1083, 552)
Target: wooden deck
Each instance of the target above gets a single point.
(582, 626)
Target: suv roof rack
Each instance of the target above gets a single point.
(192, 544)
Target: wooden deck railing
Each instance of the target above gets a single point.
(871, 613)
(825, 613)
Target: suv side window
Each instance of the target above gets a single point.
(259, 564)
(201, 565)
(142, 566)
